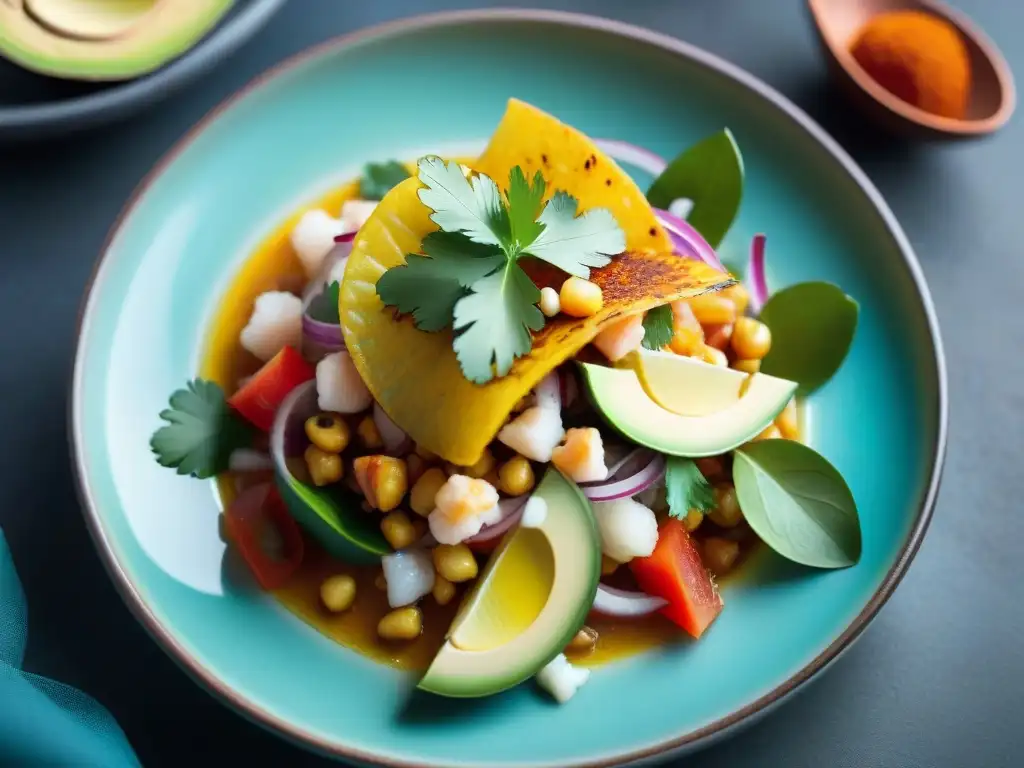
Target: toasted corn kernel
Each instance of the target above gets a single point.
(727, 512)
(443, 590)
(328, 432)
(580, 298)
(369, 435)
(324, 468)
(398, 530)
(455, 562)
(382, 479)
(720, 554)
(583, 642)
(751, 339)
(713, 309)
(516, 476)
(401, 624)
(338, 593)
(421, 499)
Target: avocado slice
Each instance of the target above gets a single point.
(622, 402)
(532, 597)
(686, 385)
(81, 40)
(333, 515)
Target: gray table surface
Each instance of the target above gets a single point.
(938, 680)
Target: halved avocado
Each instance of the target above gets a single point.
(113, 40)
(333, 514)
(532, 597)
(619, 397)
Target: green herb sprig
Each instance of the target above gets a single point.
(658, 327)
(201, 432)
(686, 487)
(467, 275)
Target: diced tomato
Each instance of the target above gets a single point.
(261, 396)
(267, 537)
(674, 571)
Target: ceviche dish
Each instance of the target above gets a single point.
(509, 417)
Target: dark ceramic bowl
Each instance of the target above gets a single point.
(34, 106)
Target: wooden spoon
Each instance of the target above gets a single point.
(992, 99)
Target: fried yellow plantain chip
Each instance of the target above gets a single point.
(416, 377)
(570, 161)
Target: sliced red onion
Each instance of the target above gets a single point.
(346, 237)
(687, 241)
(511, 511)
(395, 440)
(620, 456)
(288, 434)
(328, 334)
(628, 486)
(756, 281)
(624, 152)
(340, 252)
(629, 462)
(320, 339)
(626, 461)
(612, 601)
(615, 451)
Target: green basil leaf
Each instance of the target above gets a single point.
(710, 174)
(812, 327)
(797, 503)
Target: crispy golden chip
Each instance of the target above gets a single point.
(415, 376)
(570, 161)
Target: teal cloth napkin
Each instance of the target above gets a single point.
(43, 722)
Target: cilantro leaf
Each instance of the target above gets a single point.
(379, 178)
(471, 206)
(523, 203)
(427, 288)
(324, 306)
(658, 328)
(687, 488)
(493, 323)
(455, 245)
(467, 274)
(201, 432)
(575, 243)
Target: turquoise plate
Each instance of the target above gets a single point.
(434, 83)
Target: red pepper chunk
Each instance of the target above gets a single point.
(265, 535)
(261, 396)
(674, 572)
